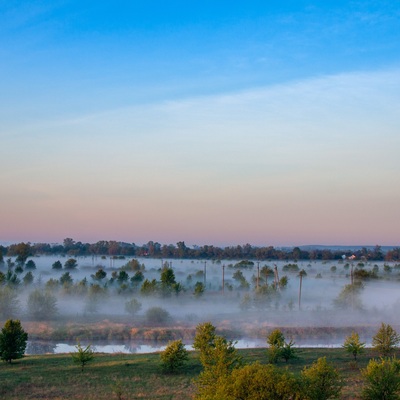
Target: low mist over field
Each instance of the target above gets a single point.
(126, 297)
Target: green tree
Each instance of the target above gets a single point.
(204, 341)
(133, 306)
(222, 359)
(283, 282)
(382, 380)
(99, 275)
(28, 278)
(148, 287)
(275, 341)
(122, 277)
(350, 297)
(353, 345)
(66, 279)
(157, 315)
(245, 303)
(288, 351)
(385, 340)
(12, 278)
(71, 263)
(30, 264)
(21, 250)
(174, 357)
(13, 341)
(198, 289)
(321, 381)
(168, 281)
(82, 355)
(9, 304)
(137, 278)
(42, 305)
(57, 265)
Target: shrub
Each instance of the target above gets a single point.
(174, 356)
(133, 306)
(321, 381)
(157, 315)
(256, 381)
(382, 379)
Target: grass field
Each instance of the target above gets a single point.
(130, 376)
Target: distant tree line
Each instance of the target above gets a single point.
(157, 250)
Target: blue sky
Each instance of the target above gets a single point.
(212, 122)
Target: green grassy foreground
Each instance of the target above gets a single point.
(131, 376)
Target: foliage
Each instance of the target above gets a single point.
(204, 341)
(168, 282)
(363, 274)
(239, 277)
(141, 376)
(148, 287)
(350, 297)
(321, 381)
(9, 304)
(382, 380)
(42, 305)
(290, 268)
(30, 264)
(66, 279)
(244, 264)
(122, 277)
(283, 282)
(198, 289)
(57, 265)
(133, 265)
(82, 355)
(222, 358)
(256, 382)
(275, 341)
(11, 278)
(157, 315)
(385, 340)
(218, 357)
(21, 250)
(174, 356)
(288, 351)
(99, 275)
(133, 306)
(71, 263)
(13, 341)
(28, 278)
(245, 303)
(353, 345)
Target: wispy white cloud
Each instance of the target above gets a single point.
(321, 148)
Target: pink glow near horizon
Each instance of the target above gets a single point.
(287, 165)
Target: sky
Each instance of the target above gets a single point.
(213, 122)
